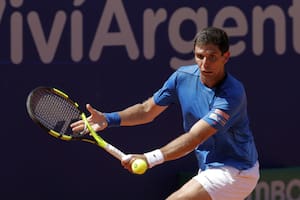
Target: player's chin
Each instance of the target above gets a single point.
(207, 74)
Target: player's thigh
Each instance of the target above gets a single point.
(192, 190)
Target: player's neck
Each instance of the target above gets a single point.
(212, 81)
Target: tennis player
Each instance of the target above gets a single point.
(215, 120)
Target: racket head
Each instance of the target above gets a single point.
(54, 111)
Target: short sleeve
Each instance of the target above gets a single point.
(222, 112)
(167, 94)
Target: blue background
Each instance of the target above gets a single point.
(35, 165)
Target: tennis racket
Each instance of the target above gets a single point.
(54, 111)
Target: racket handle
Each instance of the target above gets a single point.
(139, 166)
(114, 151)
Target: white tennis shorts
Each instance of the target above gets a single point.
(228, 183)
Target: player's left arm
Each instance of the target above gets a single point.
(178, 147)
(188, 141)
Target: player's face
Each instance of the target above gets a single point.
(211, 62)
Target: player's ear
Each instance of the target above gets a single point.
(226, 56)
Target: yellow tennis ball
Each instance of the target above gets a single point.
(139, 166)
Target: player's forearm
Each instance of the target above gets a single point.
(135, 115)
(187, 142)
(174, 150)
(179, 147)
(141, 113)
(182, 145)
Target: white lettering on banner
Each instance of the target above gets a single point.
(77, 36)
(46, 47)
(23, 23)
(105, 38)
(260, 16)
(277, 189)
(151, 22)
(2, 8)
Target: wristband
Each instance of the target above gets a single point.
(154, 158)
(113, 119)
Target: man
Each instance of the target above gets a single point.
(214, 110)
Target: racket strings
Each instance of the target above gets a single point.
(55, 112)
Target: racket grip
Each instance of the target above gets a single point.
(114, 151)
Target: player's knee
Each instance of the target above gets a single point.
(177, 196)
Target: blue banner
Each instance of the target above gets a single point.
(116, 53)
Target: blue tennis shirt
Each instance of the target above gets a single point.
(223, 107)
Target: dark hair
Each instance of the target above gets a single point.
(212, 35)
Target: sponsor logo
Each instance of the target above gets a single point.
(219, 116)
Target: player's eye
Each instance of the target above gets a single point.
(209, 57)
(200, 56)
(212, 58)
